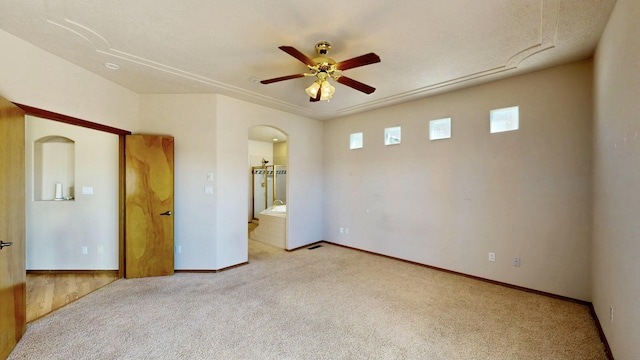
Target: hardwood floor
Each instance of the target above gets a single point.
(49, 291)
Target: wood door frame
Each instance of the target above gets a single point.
(45, 114)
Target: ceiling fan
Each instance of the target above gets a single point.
(324, 68)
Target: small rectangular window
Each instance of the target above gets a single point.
(505, 119)
(355, 141)
(392, 136)
(440, 129)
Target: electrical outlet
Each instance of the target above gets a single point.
(100, 249)
(492, 257)
(85, 250)
(516, 261)
(341, 230)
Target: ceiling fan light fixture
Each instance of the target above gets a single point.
(327, 90)
(312, 90)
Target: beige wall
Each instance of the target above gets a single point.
(448, 203)
(616, 271)
(280, 153)
(304, 175)
(259, 150)
(191, 120)
(58, 230)
(212, 229)
(31, 76)
(34, 77)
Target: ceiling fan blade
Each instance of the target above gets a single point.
(361, 60)
(282, 78)
(355, 84)
(297, 54)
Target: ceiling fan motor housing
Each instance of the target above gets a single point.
(323, 63)
(323, 47)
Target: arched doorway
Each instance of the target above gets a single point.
(268, 184)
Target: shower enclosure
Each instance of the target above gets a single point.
(269, 187)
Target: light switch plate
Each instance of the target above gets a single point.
(87, 190)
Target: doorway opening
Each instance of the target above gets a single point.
(80, 271)
(268, 184)
(59, 210)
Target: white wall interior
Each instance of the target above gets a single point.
(211, 134)
(616, 273)
(448, 203)
(304, 173)
(444, 203)
(191, 120)
(34, 77)
(57, 231)
(259, 150)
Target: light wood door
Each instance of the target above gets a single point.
(12, 228)
(148, 206)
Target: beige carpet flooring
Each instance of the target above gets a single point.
(326, 303)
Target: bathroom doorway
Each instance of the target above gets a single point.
(268, 183)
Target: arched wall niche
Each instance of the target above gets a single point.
(54, 168)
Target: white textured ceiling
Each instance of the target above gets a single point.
(425, 46)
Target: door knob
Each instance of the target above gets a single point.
(167, 213)
(4, 244)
